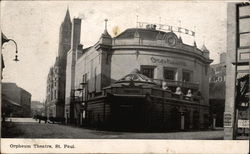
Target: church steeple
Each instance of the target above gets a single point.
(67, 16)
(65, 36)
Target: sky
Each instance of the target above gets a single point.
(34, 25)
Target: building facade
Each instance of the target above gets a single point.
(237, 67)
(56, 79)
(37, 108)
(158, 55)
(217, 90)
(15, 100)
(70, 71)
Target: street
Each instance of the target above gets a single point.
(29, 128)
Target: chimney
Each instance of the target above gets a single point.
(76, 33)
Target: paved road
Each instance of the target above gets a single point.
(29, 128)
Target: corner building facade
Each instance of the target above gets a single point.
(106, 99)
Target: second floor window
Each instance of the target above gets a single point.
(148, 71)
(186, 76)
(169, 74)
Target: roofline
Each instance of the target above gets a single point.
(141, 29)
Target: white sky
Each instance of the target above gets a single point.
(34, 25)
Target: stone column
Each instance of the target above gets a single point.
(230, 69)
(159, 72)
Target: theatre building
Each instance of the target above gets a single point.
(143, 79)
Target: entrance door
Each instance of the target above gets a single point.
(196, 121)
(187, 120)
(129, 114)
(175, 120)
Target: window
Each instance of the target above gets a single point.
(55, 94)
(243, 32)
(169, 74)
(51, 95)
(148, 71)
(186, 76)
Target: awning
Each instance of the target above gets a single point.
(11, 101)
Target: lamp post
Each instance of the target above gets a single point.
(16, 56)
(5, 39)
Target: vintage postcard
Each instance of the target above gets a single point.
(125, 76)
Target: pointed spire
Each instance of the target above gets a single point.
(105, 33)
(67, 16)
(106, 22)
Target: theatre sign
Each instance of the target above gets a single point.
(167, 61)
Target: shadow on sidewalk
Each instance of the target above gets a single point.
(9, 130)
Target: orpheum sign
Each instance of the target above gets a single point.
(167, 61)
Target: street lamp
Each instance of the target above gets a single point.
(16, 56)
(4, 40)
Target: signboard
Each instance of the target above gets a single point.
(228, 119)
(167, 61)
(167, 28)
(243, 123)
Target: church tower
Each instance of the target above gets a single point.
(64, 47)
(56, 90)
(65, 37)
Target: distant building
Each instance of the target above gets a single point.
(15, 100)
(102, 91)
(37, 108)
(217, 90)
(55, 93)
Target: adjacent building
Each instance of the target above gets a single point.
(236, 116)
(217, 90)
(55, 93)
(102, 91)
(16, 101)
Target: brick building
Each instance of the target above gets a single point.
(15, 100)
